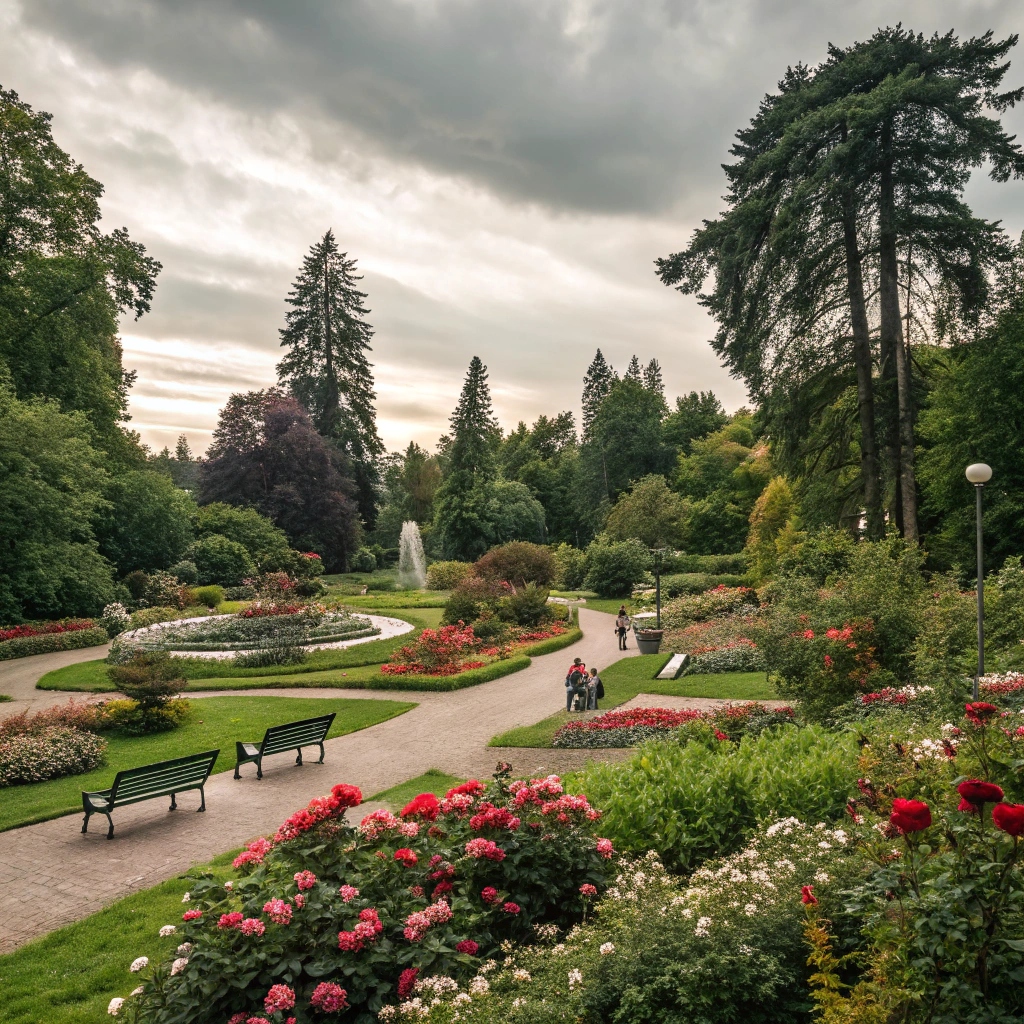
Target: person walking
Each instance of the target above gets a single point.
(622, 627)
(595, 690)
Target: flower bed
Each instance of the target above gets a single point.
(50, 753)
(276, 626)
(333, 917)
(632, 726)
(451, 650)
(45, 642)
(46, 628)
(719, 601)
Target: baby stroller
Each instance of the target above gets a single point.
(579, 700)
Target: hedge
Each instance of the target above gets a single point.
(47, 643)
(714, 565)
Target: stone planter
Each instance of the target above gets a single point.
(648, 641)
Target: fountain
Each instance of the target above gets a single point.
(412, 563)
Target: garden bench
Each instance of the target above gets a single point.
(165, 778)
(310, 732)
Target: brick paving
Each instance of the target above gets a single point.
(61, 876)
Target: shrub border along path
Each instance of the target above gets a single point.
(61, 876)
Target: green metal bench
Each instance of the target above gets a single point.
(165, 778)
(278, 739)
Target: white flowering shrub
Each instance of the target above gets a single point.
(725, 945)
(50, 753)
(115, 619)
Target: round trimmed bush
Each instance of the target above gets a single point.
(211, 596)
(447, 575)
(223, 561)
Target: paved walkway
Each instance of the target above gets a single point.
(19, 676)
(60, 876)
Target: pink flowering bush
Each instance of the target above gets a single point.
(330, 916)
(51, 753)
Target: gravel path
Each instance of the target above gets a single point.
(60, 875)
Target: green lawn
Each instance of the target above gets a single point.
(216, 722)
(91, 676)
(70, 975)
(432, 781)
(630, 676)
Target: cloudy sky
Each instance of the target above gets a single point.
(505, 172)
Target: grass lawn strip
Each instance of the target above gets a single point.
(432, 781)
(631, 676)
(216, 722)
(70, 975)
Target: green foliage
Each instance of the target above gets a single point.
(713, 565)
(613, 568)
(147, 522)
(570, 567)
(184, 570)
(363, 561)
(772, 511)
(470, 522)
(51, 483)
(698, 800)
(695, 416)
(678, 584)
(447, 575)
(649, 512)
(219, 560)
(150, 681)
(526, 607)
(245, 526)
(517, 563)
(211, 596)
(47, 643)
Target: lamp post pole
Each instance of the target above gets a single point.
(979, 474)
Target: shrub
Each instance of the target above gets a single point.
(165, 590)
(361, 912)
(244, 593)
(267, 657)
(682, 611)
(471, 597)
(210, 596)
(223, 561)
(570, 567)
(437, 652)
(698, 799)
(127, 716)
(736, 656)
(115, 619)
(517, 563)
(527, 606)
(50, 753)
(447, 575)
(185, 571)
(696, 583)
(83, 717)
(45, 629)
(150, 679)
(712, 565)
(47, 643)
(135, 583)
(363, 561)
(612, 569)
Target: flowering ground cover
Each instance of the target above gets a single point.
(630, 727)
(216, 722)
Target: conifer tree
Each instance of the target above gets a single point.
(597, 382)
(633, 371)
(653, 380)
(326, 366)
(473, 430)
(182, 452)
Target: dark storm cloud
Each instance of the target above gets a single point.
(602, 106)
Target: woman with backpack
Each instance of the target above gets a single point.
(595, 690)
(622, 627)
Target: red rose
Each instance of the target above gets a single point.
(979, 712)
(979, 793)
(467, 946)
(406, 856)
(425, 806)
(511, 908)
(1009, 818)
(407, 982)
(807, 896)
(910, 815)
(489, 894)
(967, 807)
(347, 796)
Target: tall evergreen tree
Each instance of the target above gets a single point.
(653, 379)
(597, 382)
(474, 428)
(182, 452)
(633, 371)
(326, 366)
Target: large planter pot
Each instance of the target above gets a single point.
(648, 641)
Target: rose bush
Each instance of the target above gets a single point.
(49, 753)
(365, 911)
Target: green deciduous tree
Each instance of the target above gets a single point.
(695, 416)
(326, 366)
(63, 283)
(648, 512)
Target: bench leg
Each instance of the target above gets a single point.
(202, 793)
(174, 802)
(237, 776)
(110, 830)
(298, 760)
(259, 768)
(85, 824)
(321, 761)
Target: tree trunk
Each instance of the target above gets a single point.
(892, 336)
(862, 361)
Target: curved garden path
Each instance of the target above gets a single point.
(60, 875)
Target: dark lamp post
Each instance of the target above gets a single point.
(979, 474)
(659, 562)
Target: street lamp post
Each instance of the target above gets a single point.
(658, 554)
(979, 474)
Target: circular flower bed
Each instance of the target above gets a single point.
(334, 918)
(258, 627)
